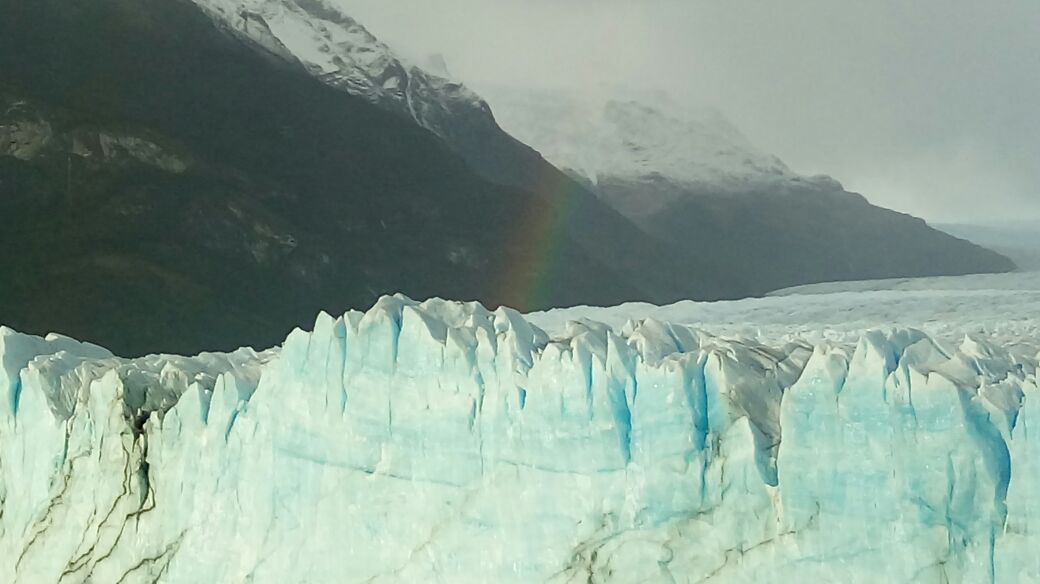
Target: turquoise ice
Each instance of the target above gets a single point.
(442, 442)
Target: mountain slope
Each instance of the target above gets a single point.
(657, 163)
(174, 181)
(690, 178)
(318, 38)
(167, 187)
(343, 54)
(1018, 240)
(644, 136)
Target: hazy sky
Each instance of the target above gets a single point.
(926, 106)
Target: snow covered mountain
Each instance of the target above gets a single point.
(184, 178)
(341, 52)
(646, 137)
(441, 442)
(643, 138)
(688, 177)
(221, 171)
(662, 165)
(333, 47)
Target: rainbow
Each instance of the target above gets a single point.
(526, 280)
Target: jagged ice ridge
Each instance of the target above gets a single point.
(442, 442)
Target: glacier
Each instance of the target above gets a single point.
(443, 442)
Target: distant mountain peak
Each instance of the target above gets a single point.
(341, 52)
(637, 136)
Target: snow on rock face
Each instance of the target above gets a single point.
(641, 138)
(341, 52)
(445, 442)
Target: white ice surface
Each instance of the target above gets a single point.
(1003, 307)
(441, 442)
(938, 286)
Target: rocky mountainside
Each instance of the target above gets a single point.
(690, 178)
(168, 187)
(341, 52)
(182, 175)
(661, 164)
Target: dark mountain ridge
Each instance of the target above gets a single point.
(801, 232)
(689, 178)
(168, 187)
(288, 196)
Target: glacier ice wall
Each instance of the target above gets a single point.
(441, 442)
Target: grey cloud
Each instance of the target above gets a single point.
(928, 106)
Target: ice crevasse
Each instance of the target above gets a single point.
(442, 442)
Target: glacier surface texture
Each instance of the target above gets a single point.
(441, 442)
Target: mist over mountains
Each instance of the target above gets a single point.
(181, 176)
(1017, 240)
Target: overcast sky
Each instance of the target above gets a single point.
(926, 106)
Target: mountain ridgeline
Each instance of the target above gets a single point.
(169, 185)
(689, 178)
